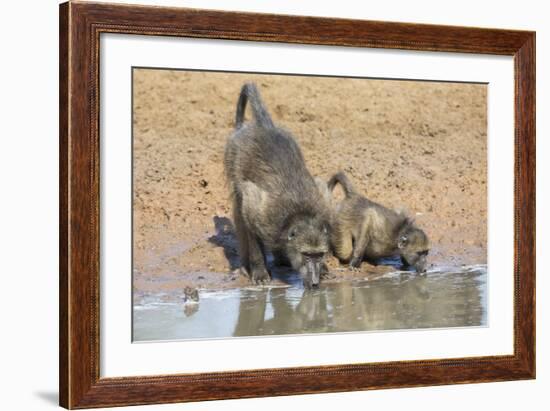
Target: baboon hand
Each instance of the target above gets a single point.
(355, 262)
(325, 273)
(260, 276)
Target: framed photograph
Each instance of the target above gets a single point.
(260, 205)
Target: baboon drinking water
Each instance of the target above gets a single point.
(277, 205)
(365, 229)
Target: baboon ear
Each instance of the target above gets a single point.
(402, 242)
(292, 233)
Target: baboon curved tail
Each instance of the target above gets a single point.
(249, 92)
(343, 180)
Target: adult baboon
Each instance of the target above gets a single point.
(365, 229)
(277, 205)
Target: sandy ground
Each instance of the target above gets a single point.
(421, 146)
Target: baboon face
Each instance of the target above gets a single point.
(307, 244)
(414, 247)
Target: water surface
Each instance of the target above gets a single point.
(454, 297)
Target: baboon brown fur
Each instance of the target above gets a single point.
(364, 229)
(277, 204)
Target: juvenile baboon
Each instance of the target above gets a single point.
(277, 205)
(364, 229)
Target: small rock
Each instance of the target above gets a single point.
(190, 295)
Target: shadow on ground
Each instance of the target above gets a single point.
(225, 238)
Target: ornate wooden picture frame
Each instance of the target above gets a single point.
(80, 27)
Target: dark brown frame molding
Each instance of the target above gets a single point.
(81, 24)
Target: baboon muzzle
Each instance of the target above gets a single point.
(311, 269)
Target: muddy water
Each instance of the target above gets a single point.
(400, 300)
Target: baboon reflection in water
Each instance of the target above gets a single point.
(408, 302)
(395, 301)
